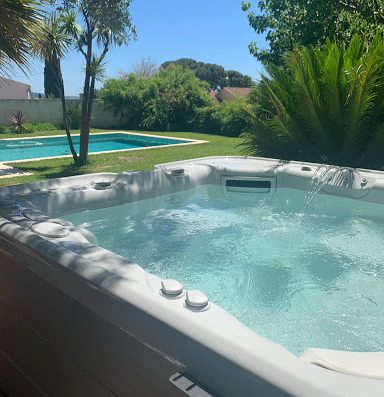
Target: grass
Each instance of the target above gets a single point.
(122, 161)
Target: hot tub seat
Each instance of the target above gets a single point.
(366, 364)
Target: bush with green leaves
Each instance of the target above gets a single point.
(324, 105)
(39, 127)
(126, 97)
(226, 118)
(167, 101)
(28, 128)
(172, 99)
(74, 115)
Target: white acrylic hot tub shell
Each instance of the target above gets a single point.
(210, 345)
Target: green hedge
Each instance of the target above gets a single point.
(29, 128)
(227, 118)
(166, 101)
(172, 100)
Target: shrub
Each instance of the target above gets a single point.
(3, 129)
(234, 120)
(126, 98)
(166, 101)
(73, 115)
(39, 127)
(324, 105)
(44, 127)
(208, 119)
(172, 99)
(17, 121)
(227, 118)
(29, 128)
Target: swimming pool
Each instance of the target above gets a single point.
(19, 149)
(213, 276)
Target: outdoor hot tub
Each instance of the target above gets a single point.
(219, 276)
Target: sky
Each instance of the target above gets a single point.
(214, 31)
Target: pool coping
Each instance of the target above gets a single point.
(188, 142)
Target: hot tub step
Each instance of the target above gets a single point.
(189, 387)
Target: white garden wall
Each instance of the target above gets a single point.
(49, 111)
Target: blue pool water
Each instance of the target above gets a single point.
(311, 278)
(20, 149)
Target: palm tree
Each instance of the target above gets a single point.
(53, 43)
(105, 24)
(19, 23)
(325, 105)
(97, 73)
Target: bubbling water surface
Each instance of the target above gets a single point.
(312, 278)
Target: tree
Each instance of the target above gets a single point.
(19, 23)
(169, 100)
(53, 43)
(323, 105)
(101, 24)
(126, 97)
(172, 99)
(51, 88)
(215, 75)
(290, 23)
(236, 79)
(145, 68)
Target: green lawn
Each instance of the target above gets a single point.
(124, 161)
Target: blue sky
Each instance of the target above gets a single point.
(215, 31)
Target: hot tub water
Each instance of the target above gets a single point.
(303, 278)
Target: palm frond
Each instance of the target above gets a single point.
(54, 41)
(97, 67)
(308, 107)
(324, 104)
(20, 21)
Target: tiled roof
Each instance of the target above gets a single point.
(6, 81)
(236, 91)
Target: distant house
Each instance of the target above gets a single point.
(37, 95)
(213, 95)
(11, 89)
(231, 93)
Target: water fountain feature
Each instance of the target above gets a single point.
(332, 175)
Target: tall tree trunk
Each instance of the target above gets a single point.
(84, 125)
(90, 101)
(56, 69)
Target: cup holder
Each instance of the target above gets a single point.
(102, 185)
